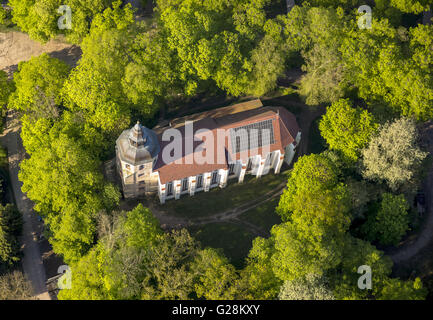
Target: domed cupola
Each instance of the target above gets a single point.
(138, 145)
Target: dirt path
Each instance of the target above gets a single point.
(426, 236)
(231, 216)
(32, 260)
(16, 47)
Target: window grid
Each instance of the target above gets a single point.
(214, 177)
(231, 169)
(250, 164)
(199, 181)
(258, 134)
(185, 184)
(170, 189)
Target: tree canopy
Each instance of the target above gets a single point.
(129, 68)
(393, 155)
(6, 88)
(59, 157)
(39, 18)
(10, 230)
(391, 222)
(134, 259)
(412, 6)
(347, 129)
(312, 287)
(15, 286)
(39, 82)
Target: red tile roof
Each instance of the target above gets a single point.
(285, 131)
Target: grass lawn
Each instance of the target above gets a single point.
(316, 143)
(263, 216)
(218, 200)
(234, 240)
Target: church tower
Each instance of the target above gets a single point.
(137, 151)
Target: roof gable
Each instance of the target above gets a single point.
(284, 131)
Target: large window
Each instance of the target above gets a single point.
(136, 144)
(199, 181)
(250, 164)
(185, 184)
(169, 189)
(268, 160)
(232, 167)
(214, 177)
(252, 136)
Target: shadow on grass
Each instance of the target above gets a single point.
(263, 216)
(234, 240)
(204, 204)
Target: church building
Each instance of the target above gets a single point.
(256, 140)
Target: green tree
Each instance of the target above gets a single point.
(224, 43)
(257, 280)
(312, 287)
(269, 64)
(134, 259)
(412, 6)
(334, 3)
(347, 129)
(393, 155)
(345, 277)
(140, 228)
(316, 205)
(6, 89)
(60, 157)
(3, 157)
(215, 276)
(152, 75)
(311, 175)
(38, 84)
(39, 18)
(384, 64)
(114, 268)
(391, 222)
(169, 264)
(395, 289)
(10, 229)
(95, 86)
(298, 253)
(15, 286)
(3, 15)
(318, 33)
(362, 193)
(88, 278)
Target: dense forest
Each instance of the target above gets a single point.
(339, 205)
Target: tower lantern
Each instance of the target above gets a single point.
(137, 151)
